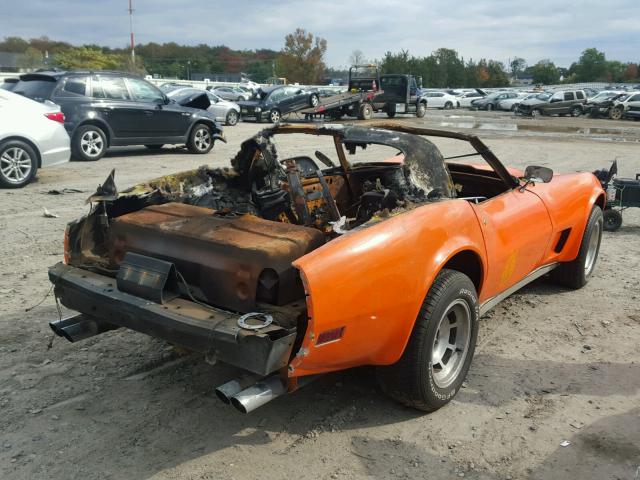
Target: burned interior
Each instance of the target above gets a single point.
(211, 242)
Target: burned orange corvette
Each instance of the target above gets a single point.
(291, 266)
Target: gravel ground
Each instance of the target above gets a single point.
(551, 364)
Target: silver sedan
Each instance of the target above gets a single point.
(224, 110)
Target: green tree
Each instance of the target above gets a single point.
(545, 72)
(302, 58)
(31, 58)
(591, 66)
(14, 45)
(89, 58)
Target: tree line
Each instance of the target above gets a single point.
(302, 60)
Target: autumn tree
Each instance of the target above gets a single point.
(302, 58)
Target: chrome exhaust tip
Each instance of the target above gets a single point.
(247, 400)
(78, 327)
(227, 390)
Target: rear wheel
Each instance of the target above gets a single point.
(313, 100)
(232, 118)
(89, 143)
(576, 274)
(391, 110)
(365, 112)
(612, 220)
(200, 140)
(514, 107)
(18, 164)
(422, 110)
(437, 358)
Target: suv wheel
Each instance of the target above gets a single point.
(89, 143)
(200, 140)
(575, 112)
(18, 164)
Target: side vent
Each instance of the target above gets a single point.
(564, 235)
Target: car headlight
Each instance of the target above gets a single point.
(258, 110)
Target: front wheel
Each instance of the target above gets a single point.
(448, 106)
(365, 112)
(536, 112)
(576, 274)
(313, 100)
(616, 113)
(200, 140)
(274, 116)
(575, 112)
(422, 110)
(489, 107)
(18, 164)
(437, 358)
(612, 220)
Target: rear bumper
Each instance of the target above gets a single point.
(181, 322)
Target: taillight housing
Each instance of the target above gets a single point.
(55, 116)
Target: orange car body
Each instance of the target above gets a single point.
(372, 283)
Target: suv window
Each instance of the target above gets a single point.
(568, 96)
(143, 91)
(635, 98)
(39, 89)
(73, 86)
(557, 96)
(109, 87)
(580, 95)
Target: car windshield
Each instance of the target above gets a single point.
(37, 88)
(543, 96)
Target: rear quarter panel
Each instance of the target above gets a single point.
(372, 282)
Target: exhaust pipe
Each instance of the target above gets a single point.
(79, 327)
(235, 386)
(258, 394)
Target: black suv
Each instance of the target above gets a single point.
(104, 109)
(274, 102)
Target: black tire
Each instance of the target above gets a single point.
(232, 118)
(365, 112)
(18, 164)
(575, 111)
(391, 110)
(448, 106)
(536, 112)
(314, 100)
(612, 220)
(514, 107)
(200, 139)
(274, 116)
(89, 143)
(421, 111)
(155, 147)
(414, 380)
(576, 274)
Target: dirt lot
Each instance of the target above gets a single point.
(551, 365)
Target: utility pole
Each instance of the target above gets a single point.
(133, 52)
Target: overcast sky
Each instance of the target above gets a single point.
(498, 29)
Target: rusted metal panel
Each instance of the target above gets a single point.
(222, 258)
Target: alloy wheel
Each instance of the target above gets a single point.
(202, 139)
(451, 343)
(91, 143)
(15, 165)
(592, 250)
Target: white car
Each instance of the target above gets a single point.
(466, 98)
(441, 100)
(32, 136)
